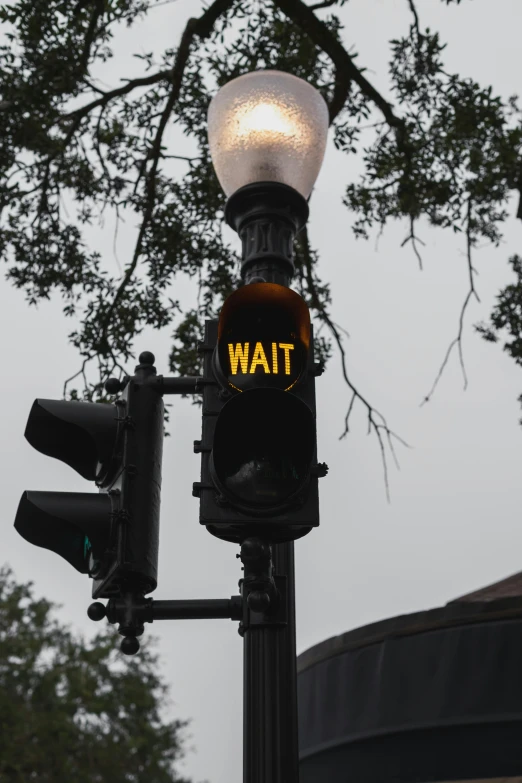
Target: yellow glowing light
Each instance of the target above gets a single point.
(267, 126)
(287, 347)
(259, 358)
(265, 118)
(238, 355)
(275, 363)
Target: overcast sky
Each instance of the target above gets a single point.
(453, 524)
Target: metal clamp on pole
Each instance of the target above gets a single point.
(190, 384)
(131, 611)
(264, 594)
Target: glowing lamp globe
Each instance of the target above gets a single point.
(267, 126)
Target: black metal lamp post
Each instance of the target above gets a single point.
(267, 134)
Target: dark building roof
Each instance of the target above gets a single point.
(430, 696)
(511, 587)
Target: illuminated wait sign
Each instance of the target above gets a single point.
(248, 358)
(263, 339)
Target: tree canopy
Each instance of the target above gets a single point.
(72, 710)
(442, 148)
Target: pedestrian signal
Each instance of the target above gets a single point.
(263, 338)
(259, 472)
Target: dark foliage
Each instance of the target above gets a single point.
(71, 710)
(73, 150)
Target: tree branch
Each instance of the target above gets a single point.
(416, 23)
(346, 70)
(81, 372)
(458, 339)
(413, 238)
(519, 188)
(158, 5)
(116, 93)
(376, 420)
(91, 33)
(325, 4)
(78, 114)
(200, 27)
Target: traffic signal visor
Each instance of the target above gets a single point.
(75, 525)
(81, 434)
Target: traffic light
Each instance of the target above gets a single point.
(259, 471)
(111, 536)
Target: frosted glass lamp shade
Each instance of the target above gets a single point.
(267, 126)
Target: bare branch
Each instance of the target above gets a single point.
(200, 27)
(346, 70)
(518, 187)
(81, 372)
(180, 157)
(158, 5)
(458, 339)
(413, 238)
(96, 143)
(82, 112)
(115, 238)
(130, 85)
(92, 86)
(376, 420)
(98, 12)
(325, 4)
(413, 9)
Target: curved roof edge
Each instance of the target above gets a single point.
(453, 614)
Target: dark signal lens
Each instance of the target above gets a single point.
(264, 480)
(263, 447)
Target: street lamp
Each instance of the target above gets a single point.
(259, 477)
(267, 134)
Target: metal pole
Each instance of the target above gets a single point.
(270, 691)
(267, 217)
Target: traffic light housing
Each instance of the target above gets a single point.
(112, 536)
(259, 471)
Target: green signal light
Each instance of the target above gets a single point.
(87, 548)
(93, 563)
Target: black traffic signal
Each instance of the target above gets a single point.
(112, 536)
(259, 470)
